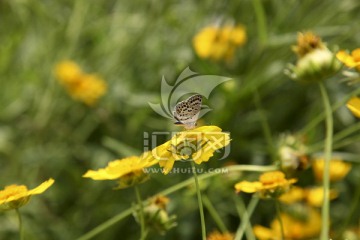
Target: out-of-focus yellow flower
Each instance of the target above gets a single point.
(295, 194)
(350, 60)
(316, 62)
(216, 235)
(197, 144)
(270, 184)
(354, 106)
(87, 88)
(315, 196)
(294, 229)
(219, 43)
(67, 72)
(338, 169)
(15, 196)
(128, 171)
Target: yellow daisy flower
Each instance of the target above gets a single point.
(270, 184)
(354, 106)
(197, 144)
(219, 43)
(15, 196)
(295, 194)
(338, 169)
(87, 88)
(315, 196)
(350, 60)
(294, 229)
(216, 235)
(128, 171)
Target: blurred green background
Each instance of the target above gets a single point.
(132, 44)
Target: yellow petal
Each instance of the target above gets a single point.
(248, 187)
(354, 106)
(346, 58)
(42, 187)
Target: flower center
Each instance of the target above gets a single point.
(272, 177)
(12, 190)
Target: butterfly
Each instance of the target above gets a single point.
(186, 112)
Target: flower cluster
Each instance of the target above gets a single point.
(219, 43)
(87, 88)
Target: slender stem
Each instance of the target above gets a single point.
(21, 234)
(277, 204)
(141, 212)
(265, 126)
(127, 212)
(261, 21)
(214, 214)
(201, 209)
(325, 213)
(316, 120)
(245, 217)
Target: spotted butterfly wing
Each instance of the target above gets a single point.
(187, 112)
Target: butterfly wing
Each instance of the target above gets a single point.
(187, 112)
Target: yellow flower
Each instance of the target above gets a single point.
(87, 88)
(128, 171)
(219, 43)
(354, 106)
(338, 169)
(295, 194)
(315, 196)
(294, 229)
(350, 60)
(298, 228)
(270, 184)
(197, 144)
(67, 72)
(215, 235)
(15, 196)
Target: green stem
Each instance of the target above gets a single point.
(141, 212)
(117, 218)
(277, 204)
(315, 121)
(265, 126)
(245, 215)
(261, 21)
(21, 234)
(214, 214)
(337, 137)
(201, 208)
(325, 213)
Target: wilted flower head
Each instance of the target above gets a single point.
(219, 43)
(156, 215)
(270, 184)
(15, 196)
(338, 169)
(87, 88)
(292, 153)
(316, 62)
(128, 171)
(196, 145)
